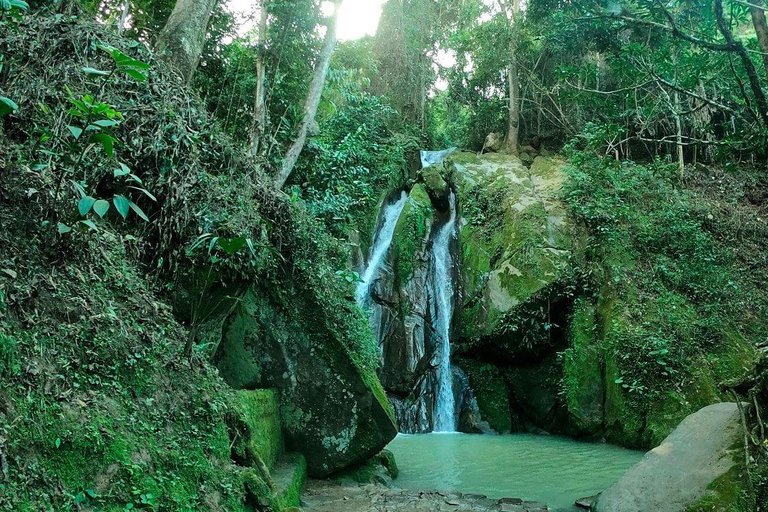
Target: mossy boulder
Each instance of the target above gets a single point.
(514, 242)
(437, 188)
(333, 412)
(491, 392)
(381, 469)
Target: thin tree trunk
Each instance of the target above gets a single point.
(761, 29)
(749, 66)
(679, 134)
(127, 10)
(511, 141)
(312, 100)
(260, 107)
(182, 39)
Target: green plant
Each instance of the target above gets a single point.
(92, 125)
(12, 9)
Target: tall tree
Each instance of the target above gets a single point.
(511, 9)
(312, 99)
(761, 29)
(181, 41)
(260, 101)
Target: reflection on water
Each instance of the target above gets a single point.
(552, 470)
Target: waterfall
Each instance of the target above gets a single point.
(381, 243)
(442, 273)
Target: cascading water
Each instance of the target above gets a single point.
(443, 417)
(381, 243)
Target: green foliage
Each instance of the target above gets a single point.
(669, 298)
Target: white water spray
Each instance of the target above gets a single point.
(380, 248)
(443, 414)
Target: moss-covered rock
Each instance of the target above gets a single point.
(515, 240)
(436, 186)
(381, 469)
(491, 392)
(331, 412)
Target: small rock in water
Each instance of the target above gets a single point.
(513, 507)
(512, 501)
(475, 496)
(588, 502)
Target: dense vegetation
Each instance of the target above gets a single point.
(144, 192)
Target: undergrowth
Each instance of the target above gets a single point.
(99, 407)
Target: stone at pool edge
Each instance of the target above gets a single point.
(587, 503)
(679, 472)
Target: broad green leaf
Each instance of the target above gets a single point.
(138, 211)
(76, 132)
(107, 141)
(85, 205)
(5, 4)
(122, 204)
(231, 245)
(122, 171)
(101, 207)
(7, 106)
(125, 61)
(138, 75)
(91, 225)
(136, 179)
(20, 4)
(63, 228)
(94, 72)
(145, 192)
(106, 123)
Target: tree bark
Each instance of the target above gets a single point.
(182, 39)
(124, 16)
(312, 100)
(260, 106)
(754, 82)
(511, 141)
(761, 29)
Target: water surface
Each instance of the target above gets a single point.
(552, 470)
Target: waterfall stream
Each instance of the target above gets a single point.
(379, 249)
(443, 290)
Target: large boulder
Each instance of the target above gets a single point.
(333, 411)
(515, 243)
(691, 464)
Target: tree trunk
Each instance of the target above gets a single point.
(749, 66)
(182, 39)
(511, 141)
(124, 16)
(260, 106)
(761, 29)
(312, 100)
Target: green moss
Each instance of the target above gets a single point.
(259, 435)
(729, 493)
(290, 477)
(583, 371)
(411, 232)
(490, 390)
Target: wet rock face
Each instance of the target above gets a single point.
(331, 413)
(514, 253)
